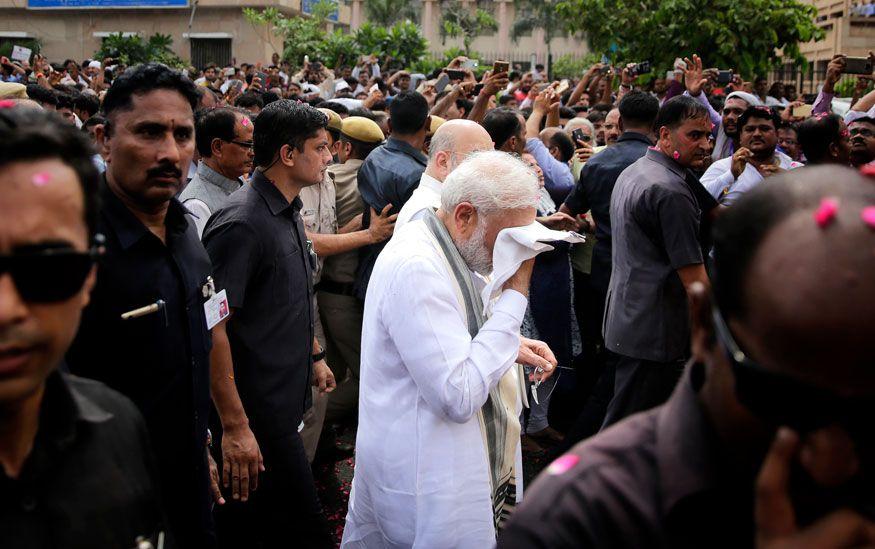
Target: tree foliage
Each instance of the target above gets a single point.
(570, 66)
(398, 46)
(387, 12)
(743, 35)
(133, 50)
(458, 21)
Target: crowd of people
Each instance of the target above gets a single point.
(658, 283)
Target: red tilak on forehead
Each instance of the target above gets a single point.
(41, 178)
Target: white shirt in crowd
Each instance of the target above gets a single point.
(421, 476)
(426, 195)
(726, 189)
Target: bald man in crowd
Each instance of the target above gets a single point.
(453, 141)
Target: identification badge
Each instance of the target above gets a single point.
(216, 309)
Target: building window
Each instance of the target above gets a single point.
(210, 50)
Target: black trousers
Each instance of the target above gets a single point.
(284, 511)
(640, 385)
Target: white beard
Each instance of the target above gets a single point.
(474, 251)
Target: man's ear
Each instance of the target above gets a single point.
(287, 155)
(216, 147)
(465, 218)
(101, 134)
(701, 324)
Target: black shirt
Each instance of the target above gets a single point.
(160, 360)
(261, 258)
(89, 480)
(655, 220)
(655, 480)
(593, 192)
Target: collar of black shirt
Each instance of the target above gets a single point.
(662, 159)
(127, 227)
(634, 136)
(275, 200)
(686, 445)
(63, 408)
(393, 144)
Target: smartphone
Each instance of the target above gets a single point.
(669, 75)
(470, 64)
(500, 66)
(605, 69)
(563, 86)
(441, 83)
(578, 135)
(374, 88)
(724, 77)
(263, 77)
(642, 68)
(455, 74)
(802, 111)
(229, 71)
(858, 65)
(306, 59)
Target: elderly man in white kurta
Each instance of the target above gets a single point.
(437, 450)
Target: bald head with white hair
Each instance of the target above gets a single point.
(453, 141)
(489, 192)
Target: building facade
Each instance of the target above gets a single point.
(202, 30)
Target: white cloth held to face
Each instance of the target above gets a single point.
(515, 245)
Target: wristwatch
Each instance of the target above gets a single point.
(319, 356)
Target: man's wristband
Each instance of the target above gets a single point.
(319, 356)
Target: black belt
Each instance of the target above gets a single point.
(339, 288)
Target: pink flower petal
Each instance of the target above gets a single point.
(7, 104)
(562, 464)
(826, 212)
(868, 216)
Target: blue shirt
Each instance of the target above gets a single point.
(389, 175)
(558, 179)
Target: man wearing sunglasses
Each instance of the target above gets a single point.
(75, 464)
(224, 141)
(767, 441)
(145, 332)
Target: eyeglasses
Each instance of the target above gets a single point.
(50, 275)
(786, 400)
(244, 144)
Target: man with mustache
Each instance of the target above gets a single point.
(145, 332)
(862, 132)
(224, 142)
(75, 467)
(656, 215)
(729, 178)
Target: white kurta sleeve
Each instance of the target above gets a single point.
(453, 372)
(718, 177)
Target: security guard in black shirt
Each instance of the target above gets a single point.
(75, 466)
(145, 331)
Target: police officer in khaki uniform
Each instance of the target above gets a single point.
(332, 218)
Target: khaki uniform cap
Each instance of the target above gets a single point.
(334, 120)
(362, 129)
(436, 122)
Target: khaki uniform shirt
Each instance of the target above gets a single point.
(341, 267)
(319, 213)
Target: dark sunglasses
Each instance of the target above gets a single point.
(785, 400)
(52, 274)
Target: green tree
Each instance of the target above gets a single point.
(387, 12)
(569, 66)
(743, 35)
(458, 21)
(133, 50)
